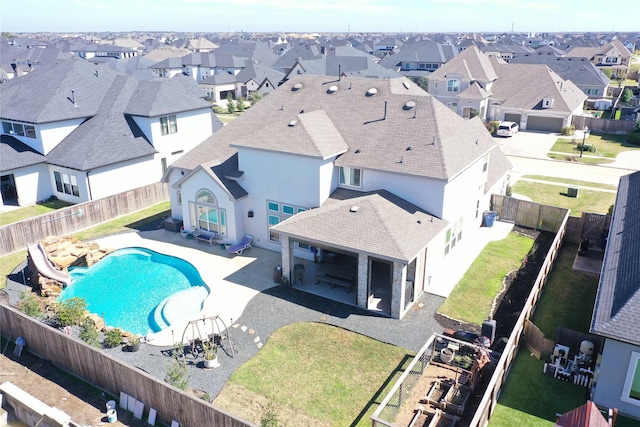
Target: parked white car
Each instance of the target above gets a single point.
(507, 129)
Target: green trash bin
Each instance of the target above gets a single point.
(572, 192)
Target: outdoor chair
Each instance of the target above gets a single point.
(239, 247)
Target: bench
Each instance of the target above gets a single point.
(203, 237)
(333, 281)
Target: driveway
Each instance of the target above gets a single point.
(535, 145)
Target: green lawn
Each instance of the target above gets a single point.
(571, 182)
(31, 211)
(586, 159)
(587, 201)
(471, 299)
(227, 117)
(607, 145)
(315, 374)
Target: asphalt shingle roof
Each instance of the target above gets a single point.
(15, 154)
(383, 224)
(617, 309)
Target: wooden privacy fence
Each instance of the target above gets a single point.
(112, 375)
(535, 340)
(529, 214)
(598, 125)
(16, 236)
(490, 397)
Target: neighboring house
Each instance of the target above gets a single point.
(504, 51)
(589, 78)
(218, 87)
(418, 60)
(532, 95)
(202, 65)
(612, 55)
(616, 315)
(169, 67)
(376, 170)
(257, 78)
(343, 61)
(80, 132)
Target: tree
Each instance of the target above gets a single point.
(255, 97)
(626, 95)
(423, 82)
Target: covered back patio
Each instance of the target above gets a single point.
(365, 249)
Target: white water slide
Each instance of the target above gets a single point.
(44, 265)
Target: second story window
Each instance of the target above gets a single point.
(453, 85)
(350, 177)
(168, 125)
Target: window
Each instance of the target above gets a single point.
(350, 177)
(18, 129)
(66, 183)
(453, 106)
(631, 390)
(206, 214)
(453, 85)
(168, 125)
(611, 60)
(163, 163)
(278, 212)
(485, 165)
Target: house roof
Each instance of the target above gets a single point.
(308, 134)
(524, 86)
(587, 415)
(106, 138)
(423, 51)
(259, 73)
(580, 71)
(15, 154)
(419, 136)
(47, 94)
(383, 224)
(470, 64)
(616, 313)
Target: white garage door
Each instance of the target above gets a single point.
(546, 124)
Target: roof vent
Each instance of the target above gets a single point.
(372, 91)
(357, 151)
(409, 105)
(332, 89)
(293, 123)
(354, 209)
(406, 84)
(297, 86)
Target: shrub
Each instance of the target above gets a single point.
(71, 311)
(626, 95)
(231, 108)
(219, 110)
(568, 130)
(255, 97)
(30, 305)
(634, 138)
(89, 332)
(508, 192)
(240, 104)
(492, 126)
(177, 371)
(113, 338)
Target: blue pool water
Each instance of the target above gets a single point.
(138, 290)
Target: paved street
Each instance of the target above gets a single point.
(527, 152)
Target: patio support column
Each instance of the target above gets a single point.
(287, 256)
(399, 276)
(363, 280)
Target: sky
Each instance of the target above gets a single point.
(309, 16)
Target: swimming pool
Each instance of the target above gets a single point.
(139, 290)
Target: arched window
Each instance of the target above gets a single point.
(206, 214)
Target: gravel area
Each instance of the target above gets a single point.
(266, 312)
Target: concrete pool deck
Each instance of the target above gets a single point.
(232, 279)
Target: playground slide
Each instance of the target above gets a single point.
(45, 267)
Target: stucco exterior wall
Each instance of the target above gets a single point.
(31, 184)
(121, 177)
(49, 135)
(611, 379)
